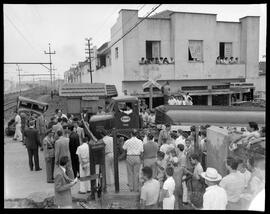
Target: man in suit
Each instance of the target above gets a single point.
(32, 142)
(63, 184)
(74, 143)
(61, 150)
(49, 153)
(41, 127)
(79, 130)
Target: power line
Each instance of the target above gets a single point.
(21, 33)
(135, 25)
(106, 21)
(95, 58)
(126, 22)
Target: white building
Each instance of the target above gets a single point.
(193, 41)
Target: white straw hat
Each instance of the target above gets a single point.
(211, 174)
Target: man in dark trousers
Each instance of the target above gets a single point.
(74, 143)
(32, 142)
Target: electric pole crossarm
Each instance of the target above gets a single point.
(50, 53)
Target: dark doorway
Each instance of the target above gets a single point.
(148, 50)
(221, 50)
(157, 101)
(199, 100)
(220, 100)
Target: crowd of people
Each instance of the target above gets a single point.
(184, 99)
(172, 166)
(227, 60)
(156, 60)
(165, 173)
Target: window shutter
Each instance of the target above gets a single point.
(228, 50)
(155, 49)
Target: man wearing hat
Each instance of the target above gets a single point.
(100, 110)
(215, 197)
(49, 155)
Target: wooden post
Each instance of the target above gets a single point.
(115, 158)
(151, 96)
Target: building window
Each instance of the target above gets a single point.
(193, 88)
(225, 50)
(116, 53)
(152, 49)
(195, 50)
(221, 86)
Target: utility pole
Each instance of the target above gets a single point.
(54, 69)
(19, 70)
(89, 56)
(50, 53)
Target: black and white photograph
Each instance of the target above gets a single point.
(134, 106)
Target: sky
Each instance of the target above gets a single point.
(29, 28)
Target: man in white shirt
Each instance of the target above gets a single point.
(144, 117)
(152, 118)
(134, 150)
(234, 184)
(181, 139)
(149, 190)
(108, 140)
(167, 191)
(244, 172)
(128, 110)
(258, 203)
(215, 197)
(18, 125)
(83, 154)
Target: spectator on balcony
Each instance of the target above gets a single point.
(172, 101)
(160, 60)
(218, 61)
(152, 60)
(142, 61)
(221, 60)
(236, 60)
(226, 60)
(172, 60)
(165, 61)
(231, 60)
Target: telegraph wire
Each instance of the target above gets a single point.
(20, 33)
(136, 25)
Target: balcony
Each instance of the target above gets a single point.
(230, 71)
(202, 70)
(160, 71)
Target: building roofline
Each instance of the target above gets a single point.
(230, 22)
(249, 16)
(128, 10)
(213, 14)
(154, 18)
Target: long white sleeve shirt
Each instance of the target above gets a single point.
(214, 198)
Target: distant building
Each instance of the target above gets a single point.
(191, 42)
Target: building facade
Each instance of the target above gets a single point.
(191, 43)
